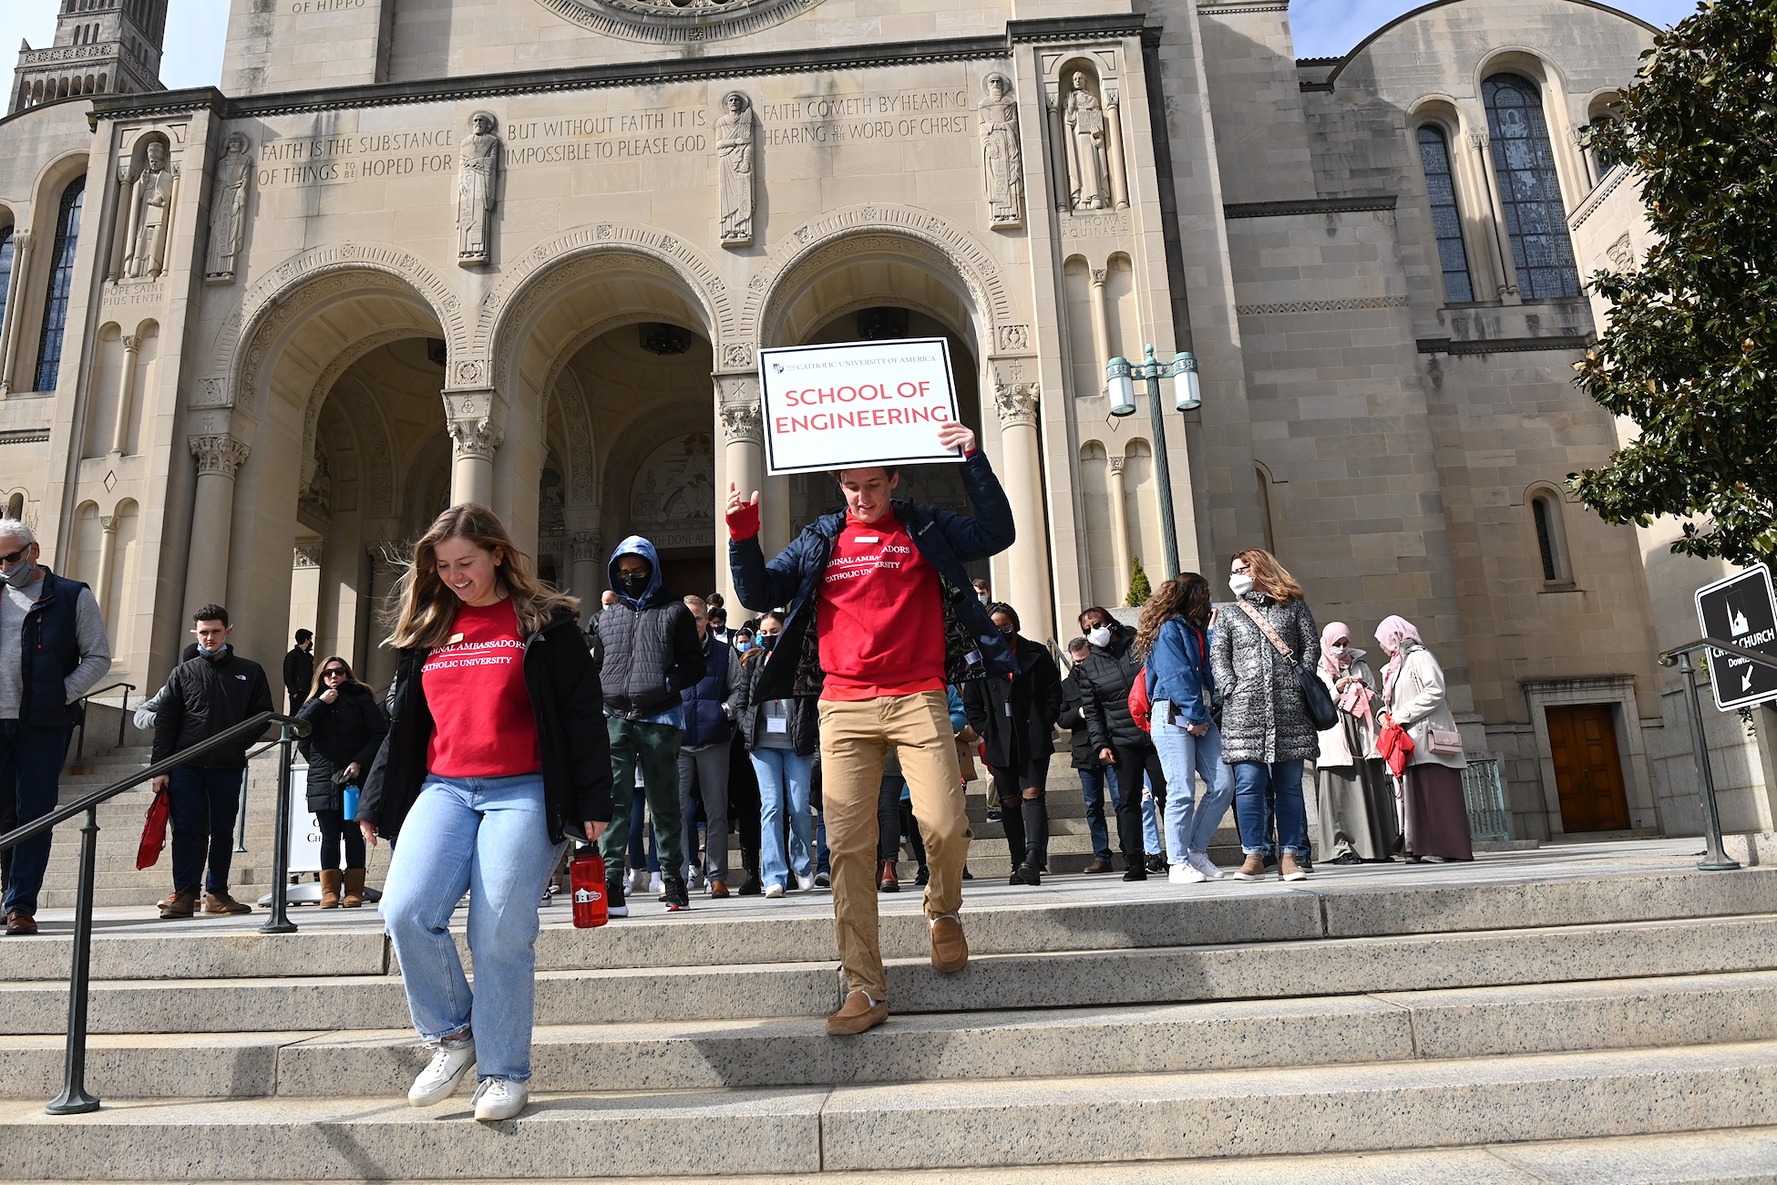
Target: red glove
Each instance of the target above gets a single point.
(744, 522)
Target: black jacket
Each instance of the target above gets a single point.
(205, 696)
(349, 729)
(749, 712)
(1105, 679)
(1073, 718)
(299, 672)
(564, 690)
(1016, 717)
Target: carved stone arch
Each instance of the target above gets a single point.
(295, 287)
(582, 472)
(330, 377)
(897, 230)
(557, 263)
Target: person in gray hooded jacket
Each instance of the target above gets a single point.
(649, 654)
(1266, 733)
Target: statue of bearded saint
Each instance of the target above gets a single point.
(477, 187)
(1086, 156)
(1001, 166)
(153, 203)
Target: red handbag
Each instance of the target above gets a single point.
(154, 830)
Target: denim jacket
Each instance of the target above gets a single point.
(1178, 671)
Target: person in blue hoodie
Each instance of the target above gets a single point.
(1174, 638)
(649, 655)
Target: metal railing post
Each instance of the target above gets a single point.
(123, 715)
(240, 813)
(279, 921)
(74, 1099)
(1714, 858)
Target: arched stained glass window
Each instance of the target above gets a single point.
(1446, 218)
(61, 285)
(1529, 188)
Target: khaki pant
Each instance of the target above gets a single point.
(854, 737)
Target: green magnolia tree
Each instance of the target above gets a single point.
(1139, 588)
(1690, 350)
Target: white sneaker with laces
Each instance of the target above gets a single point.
(774, 890)
(499, 1098)
(438, 1081)
(1184, 874)
(1202, 863)
(638, 880)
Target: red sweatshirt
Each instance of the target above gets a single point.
(474, 684)
(879, 618)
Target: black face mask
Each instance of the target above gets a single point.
(632, 583)
(766, 641)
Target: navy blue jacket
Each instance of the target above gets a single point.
(709, 703)
(973, 645)
(50, 650)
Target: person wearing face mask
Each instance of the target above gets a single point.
(206, 695)
(1355, 798)
(53, 650)
(1434, 817)
(1016, 721)
(1106, 677)
(1266, 733)
(649, 655)
(1095, 775)
(782, 734)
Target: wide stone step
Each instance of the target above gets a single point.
(948, 1047)
(1048, 1121)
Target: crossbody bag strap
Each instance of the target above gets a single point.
(1259, 620)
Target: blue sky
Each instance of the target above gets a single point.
(195, 28)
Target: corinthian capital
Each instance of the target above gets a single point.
(586, 545)
(1016, 403)
(218, 454)
(742, 422)
(476, 421)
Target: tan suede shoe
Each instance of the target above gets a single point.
(950, 950)
(858, 1014)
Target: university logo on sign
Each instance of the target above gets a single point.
(1740, 609)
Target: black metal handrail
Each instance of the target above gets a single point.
(75, 1099)
(123, 714)
(1714, 858)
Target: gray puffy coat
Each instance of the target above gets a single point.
(1263, 718)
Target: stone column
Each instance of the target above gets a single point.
(219, 458)
(587, 549)
(476, 420)
(1113, 135)
(1119, 518)
(9, 327)
(1506, 277)
(1101, 322)
(743, 454)
(1027, 563)
(1062, 157)
(107, 558)
(121, 421)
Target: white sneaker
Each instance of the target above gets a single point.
(1184, 874)
(638, 880)
(656, 885)
(695, 880)
(438, 1081)
(1202, 863)
(499, 1098)
(774, 890)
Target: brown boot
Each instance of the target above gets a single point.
(887, 880)
(1252, 870)
(330, 881)
(354, 888)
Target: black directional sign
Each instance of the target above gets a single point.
(1740, 609)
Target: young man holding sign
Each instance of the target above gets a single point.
(882, 616)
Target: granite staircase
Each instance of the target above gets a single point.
(1583, 1013)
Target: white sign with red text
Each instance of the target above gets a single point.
(856, 404)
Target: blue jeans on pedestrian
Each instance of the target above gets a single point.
(785, 779)
(30, 771)
(1190, 821)
(204, 805)
(1150, 825)
(490, 838)
(1093, 783)
(1255, 784)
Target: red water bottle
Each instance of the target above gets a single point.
(586, 888)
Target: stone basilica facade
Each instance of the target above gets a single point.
(524, 251)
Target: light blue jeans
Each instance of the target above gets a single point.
(489, 836)
(1190, 822)
(785, 779)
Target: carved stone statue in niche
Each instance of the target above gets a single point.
(734, 158)
(1001, 162)
(1088, 163)
(228, 208)
(478, 183)
(151, 208)
(551, 515)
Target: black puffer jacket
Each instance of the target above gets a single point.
(1105, 679)
(1016, 717)
(649, 651)
(349, 729)
(209, 695)
(749, 712)
(1073, 718)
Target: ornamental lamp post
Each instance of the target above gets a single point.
(1120, 375)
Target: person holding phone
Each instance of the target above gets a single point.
(348, 727)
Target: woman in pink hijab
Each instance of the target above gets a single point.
(1434, 819)
(1357, 818)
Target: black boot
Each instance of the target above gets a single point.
(1012, 820)
(1036, 833)
(749, 863)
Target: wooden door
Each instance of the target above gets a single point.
(1588, 771)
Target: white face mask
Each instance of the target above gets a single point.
(1240, 583)
(1337, 651)
(1100, 636)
